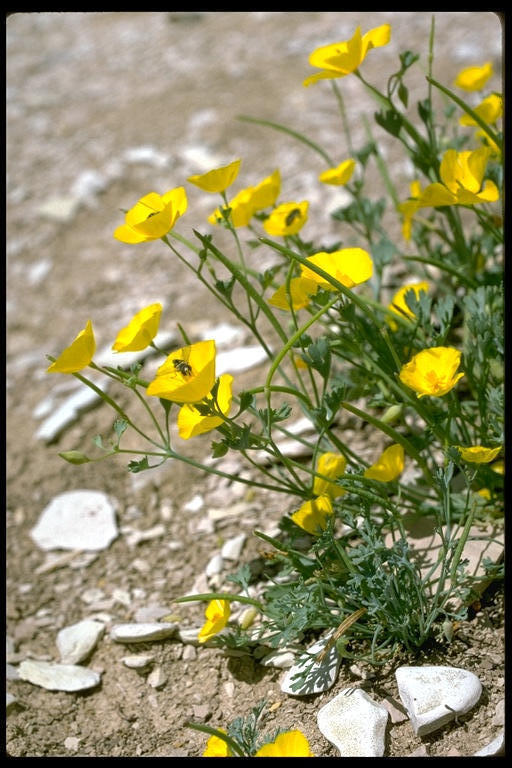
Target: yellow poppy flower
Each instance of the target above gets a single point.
(287, 744)
(432, 371)
(152, 217)
(301, 290)
(340, 175)
(287, 219)
(490, 110)
(498, 467)
(409, 208)
(218, 179)
(398, 304)
(331, 465)
(313, 514)
(265, 194)
(78, 355)
(473, 78)
(217, 747)
(478, 454)
(340, 59)
(388, 466)
(241, 209)
(350, 266)
(187, 375)
(140, 331)
(217, 616)
(484, 493)
(192, 423)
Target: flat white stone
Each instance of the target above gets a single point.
(232, 548)
(496, 747)
(239, 359)
(278, 659)
(354, 723)
(77, 641)
(435, 695)
(138, 661)
(59, 208)
(84, 520)
(214, 565)
(142, 633)
(188, 635)
(150, 613)
(316, 676)
(157, 678)
(195, 504)
(68, 412)
(58, 677)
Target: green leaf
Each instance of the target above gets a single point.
(403, 94)
(120, 426)
(138, 466)
(390, 120)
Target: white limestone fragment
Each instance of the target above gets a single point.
(142, 633)
(239, 359)
(214, 565)
(435, 695)
(278, 659)
(157, 678)
(68, 412)
(58, 677)
(82, 519)
(232, 548)
(77, 641)
(317, 676)
(354, 723)
(496, 747)
(194, 504)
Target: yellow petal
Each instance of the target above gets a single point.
(186, 383)
(473, 78)
(339, 175)
(398, 304)
(217, 747)
(140, 331)
(218, 179)
(288, 744)
(267, 191)
(331, 465)
(478, 454)
(312, 515)
(217, 616)
(350, 266)
(191, 423)
(432, 371)
(388, 466)
(301, 290)
(286, 219)
(78, 355)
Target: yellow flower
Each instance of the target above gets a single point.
(152, 217)
(473, 78)
(340, 175)
(313, 514)
(265, 194)
(409, 208)
(287, 744)
(484, 493)
(140, 331)
(462, 175)
(332, 465)
(498, 467)
(192, 423)
(287, 219)
(187, 375)
(490, 110)
(350, 266)
(432, 371)
(340, 59)
(241, 209)
(218, 179)
(217, 615)
(78, 355)
(217, 747)
(478, 454)
(301, 290)
(388, 466)
(398, 304)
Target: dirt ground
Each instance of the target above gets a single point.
(85, 92)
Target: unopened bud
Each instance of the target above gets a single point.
(247, 617)
(74, 457)
(392, 413)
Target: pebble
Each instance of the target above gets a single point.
(320, 676)
(11, 673)
(146, 155)
(59, 208)
(151, 612)
(239, 359)
(157, 678)
(58, 677)
(135, 537)
(77, 641)
(215, 565)
(435, 695)
(87, 186)
(138, 661)
(142, 633)
(499, 713)
(278, 659)
(72, 743)
(419, 752)
(219, 513)
(69, 411)
(195, 504)
(232, 548)
(188, 635)
(82, 519)
(224, 334)
(189, 653)
(496, 747)
(354, 723)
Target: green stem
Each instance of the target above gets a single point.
(221, 596)
(290, 132)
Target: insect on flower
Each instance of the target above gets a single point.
(182, 367)
(292, 216)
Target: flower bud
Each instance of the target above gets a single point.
(74, 457)
(392, 413)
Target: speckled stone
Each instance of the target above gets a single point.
(142, 633)
(434, 695)
(58, 677)
(354, 723)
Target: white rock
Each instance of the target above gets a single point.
(214, 565)
(354, 723)
(142, 633)
(232, 548)
(122, 596)
(38, 271)
(496, 747)
(151, 612)
(135, 537)
(67, 413)
(59, 208)
(58, 677)
(77, 641)
(72, 743)
(11, 672)
(239, 359)
(146, 155)
(434, 695)
(157, 678)
(81, 519)
(188, 635)
(189, 653)
(138, 661)
(317, 676)
(195, 504)
(278, 659)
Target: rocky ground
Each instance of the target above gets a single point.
(102, 108)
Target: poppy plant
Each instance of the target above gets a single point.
(217, 615)
(287, 744)
(398, 304)
(389, 466)
(241, 209)
(192, 423)
(287, 219)
(432, 371)
(331, 465)
(350, 266)
(152, 217)
(140, 331)
(217, 747)
(340, 175)
(313, 514)
(78, 355)
(218, 179)
(300, 290)
(187, 375)
(478, 454)
(473, 78)
(340, 59)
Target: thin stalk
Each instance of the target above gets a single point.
(343, 113)
(290, 132)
